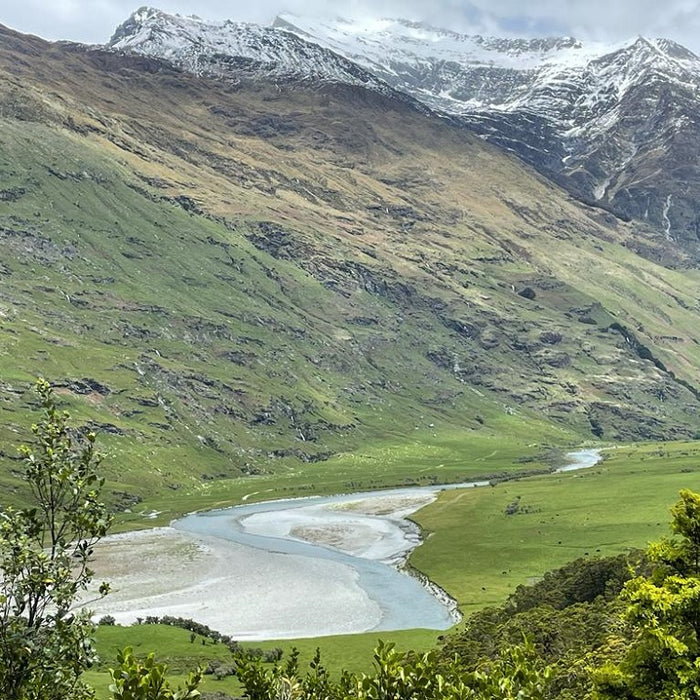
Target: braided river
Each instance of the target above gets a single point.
(292, 568)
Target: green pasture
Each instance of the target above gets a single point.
(477, 552)
(174, 647)
(429, 458)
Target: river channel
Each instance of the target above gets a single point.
(367, 532)
(303, 567)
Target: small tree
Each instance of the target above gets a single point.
(146, 680)
(45, 551)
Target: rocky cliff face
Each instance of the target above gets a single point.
(616, 125)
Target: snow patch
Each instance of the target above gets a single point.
(601, 189)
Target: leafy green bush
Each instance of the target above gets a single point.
(517, 674)
(45, 552)
(663, 610)
(146, 680)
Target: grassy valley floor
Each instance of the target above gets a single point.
(480, 554)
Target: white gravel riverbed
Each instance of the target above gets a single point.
(256, 592)
(250, 593)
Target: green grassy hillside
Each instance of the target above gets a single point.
(276, 289)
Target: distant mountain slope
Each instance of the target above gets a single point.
(618, 125)
(233, 277)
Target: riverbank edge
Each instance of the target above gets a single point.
(440, 593)
(437, 591)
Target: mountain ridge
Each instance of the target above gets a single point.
(611, 123)
(204, 47)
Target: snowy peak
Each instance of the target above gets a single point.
(646, 53)
(148, 26)
(134, 24)
(164, 35)
(227, 49)
(390, 39)
(452, 72)
(458, 73)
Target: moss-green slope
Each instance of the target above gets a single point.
(248, 279)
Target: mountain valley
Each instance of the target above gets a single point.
(230, 275)
(289, 268)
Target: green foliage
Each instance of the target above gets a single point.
(44, 555)
(195, 628)
(566, 617)
(146, 680)
(663, 659)
(682, 555)
(580, 581)
(517, 674)
(568, 609)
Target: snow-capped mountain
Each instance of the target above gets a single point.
(453, 72)
(617, 125)
(227, 48)
(463, 74)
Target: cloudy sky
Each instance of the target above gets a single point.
(93, 21)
